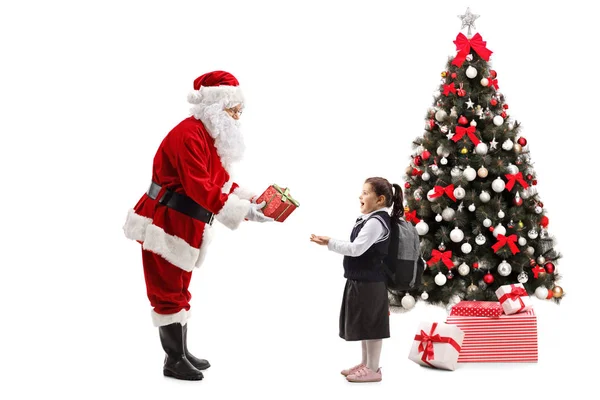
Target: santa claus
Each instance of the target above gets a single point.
(190, 188)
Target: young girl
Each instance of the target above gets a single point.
(365, 311)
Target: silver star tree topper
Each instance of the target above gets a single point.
(468, 20)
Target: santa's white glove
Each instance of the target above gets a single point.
(255, 214)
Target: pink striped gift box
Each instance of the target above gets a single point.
(508, 338)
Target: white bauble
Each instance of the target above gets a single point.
(455, 172)
(431, 193)
(511, 126)
(440, 115)
(419, 149)
(422, 228)
(484, 81)
(498, 120)
(466, 248)
(444, 161)
(463, 269)
(512, 169)
(487, 222)
(482, 172)
(473, 123)
(507, 145)
(459, 193)
(541, 260)
(522, 278)
(469, 173)
(448, 214)
(522, 241)
(541, 292)
(530, 251)
(499, 230)
(480, 239)
(538, 209)
(437, 93)
(469, 57)
(408, 301)
(425, 176)
(500, 214)
(504, 269)
(498, 185)
(481, 149)
(484, 197)
(440, 279)
(472, 207)
(441, 151)
(424, 295)
(456, 235)
(438, 218)
(532, 234)
(471, 72)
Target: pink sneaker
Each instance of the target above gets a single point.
(365, 375)
(352, 370)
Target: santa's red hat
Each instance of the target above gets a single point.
(214, 87)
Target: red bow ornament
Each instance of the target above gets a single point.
(512, 178)
(411, 216)
(462, 131)
(504, 240)
(439, 191)
(449, 89)
(464, 46)
(445, 257)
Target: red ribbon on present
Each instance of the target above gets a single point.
(445, 257)
(427, 341)
(504, 240)
(440, 190)
(449, 89)
(470, 131)
(512, 178)
(411, 216)
(464, 46)
(514, 294)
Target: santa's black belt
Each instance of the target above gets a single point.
(181, 203)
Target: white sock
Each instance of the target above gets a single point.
(364, 352)
(373, 353)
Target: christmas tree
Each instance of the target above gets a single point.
(471, 191)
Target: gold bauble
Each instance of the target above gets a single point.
(557, 292)
(517, 148)
(406, 209)
(464, 150)
(444, 74)
(520, 225)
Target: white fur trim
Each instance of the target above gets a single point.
(135, 226)
(244, 193)
(174, 249)
(168, 319)
(227, 187)
(233, 212)
(206, 240)
(227, 95)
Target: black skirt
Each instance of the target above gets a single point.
(365, 311)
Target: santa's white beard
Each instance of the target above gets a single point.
(224, 129)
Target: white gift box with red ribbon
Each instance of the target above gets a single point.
(437, 345)
(514, 298)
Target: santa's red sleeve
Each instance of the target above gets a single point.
(198, 184)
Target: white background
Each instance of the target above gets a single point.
(336, 93)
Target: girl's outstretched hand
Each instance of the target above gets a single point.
(322, 240)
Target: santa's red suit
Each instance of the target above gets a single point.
(192, 160)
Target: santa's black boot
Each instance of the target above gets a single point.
(199, 363)
(176, 364)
